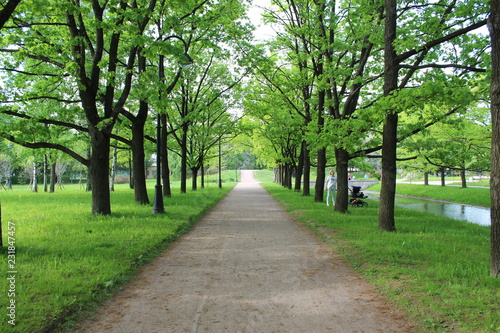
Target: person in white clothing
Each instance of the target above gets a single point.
(331, 187)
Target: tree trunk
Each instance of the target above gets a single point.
(113, 170)
(320, 177)
(130, 171)
(138, 163)
(165, 168)
(388, 183)
(306, 188)
(300, 169)
(443, 177)
(426, 178)
(184, 158)
(202, 175)
(52, 178)
(389, 139)
(45, 171)
(98, 171)
(34, 181)
(342, 197)
(88, 188)
(194, 179)
(288, 176)
(494, 26)
(462, 178)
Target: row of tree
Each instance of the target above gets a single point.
(341, 80)
(82, 77)
(356, 79)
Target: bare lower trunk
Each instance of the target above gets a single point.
(184, 158)
(494, 26)
(388, 187)
(138, 162)
(52, 178)
(463, 179)
(443, 179)
(306, 188)
(389, 144)
(98, 171)
(300, 169)
(341, 199)
(165, 168)
(194, 179)
(320, 177)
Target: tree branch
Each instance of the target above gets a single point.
(438, 41)
(469, 68)
(48, 145)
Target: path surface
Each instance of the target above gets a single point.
(247, 266)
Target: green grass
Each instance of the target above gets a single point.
(470, 195)
(68, 260)
(434, 268)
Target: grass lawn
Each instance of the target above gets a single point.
(68, 260)
(435, 268)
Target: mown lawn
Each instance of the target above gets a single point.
(67, 260)
(435, 268)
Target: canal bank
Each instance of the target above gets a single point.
(456, 211)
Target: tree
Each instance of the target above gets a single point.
(7, 10)
(494, 27)
(201, 118)
(273, 143)
(392, 83)
(461, 143)
(91, 50)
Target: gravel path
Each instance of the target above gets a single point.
(247, 266)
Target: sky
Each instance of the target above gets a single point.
(254, 13)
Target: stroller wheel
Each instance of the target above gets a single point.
(358, 203)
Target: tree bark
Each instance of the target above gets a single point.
(306, 188)
(494, 27)
(138, 161)
(389, 143)
(8, 9)
(34, 181)
(320, 176)
(99, 171)
(300, 169)
(321, 159)
(194, 179)
(462, 178)
(52, 178)
(45, 171)
(443, 181)
(113, 170)
(165, 168)
(184, 158)
(342, 197)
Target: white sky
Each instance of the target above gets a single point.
(262, 32)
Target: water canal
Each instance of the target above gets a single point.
(472, 214)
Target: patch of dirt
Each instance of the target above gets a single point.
(247, 266)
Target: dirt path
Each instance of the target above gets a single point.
(247, 266)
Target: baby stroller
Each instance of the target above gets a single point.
(355, 192)
(357, 195)
(357, 203)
